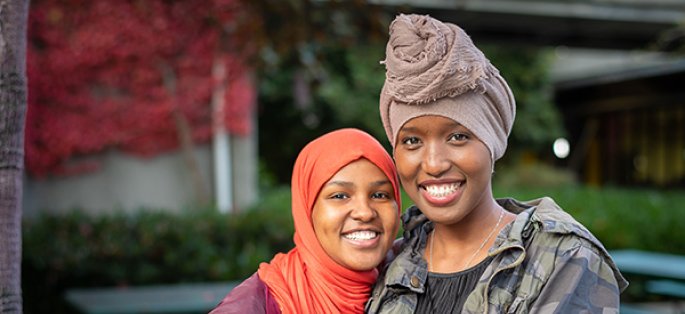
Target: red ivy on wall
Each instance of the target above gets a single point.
(97, 72)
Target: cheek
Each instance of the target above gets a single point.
(324, 222)
(469, 162)
(391, 216)
(391, 222)
(406, 165)
(321, 221)
(475, 162)
(395, 223)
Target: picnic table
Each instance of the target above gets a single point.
(178, 298)
(666, 272)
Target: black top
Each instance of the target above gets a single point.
(447, 293)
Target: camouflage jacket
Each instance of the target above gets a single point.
(544, 262)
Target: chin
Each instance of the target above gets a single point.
(443, 219)
(360, 269)
(444, 215)
(364, 265)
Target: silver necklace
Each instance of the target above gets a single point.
(430, 253)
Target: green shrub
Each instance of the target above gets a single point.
(622, 218)
(148, 247)
(533, 175)
(154, 247)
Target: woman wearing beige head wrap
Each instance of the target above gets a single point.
(447, 113)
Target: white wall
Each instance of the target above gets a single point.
(128, 183)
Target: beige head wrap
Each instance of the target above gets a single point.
(433, 68)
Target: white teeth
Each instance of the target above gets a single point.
(442, 190)
(361, 235)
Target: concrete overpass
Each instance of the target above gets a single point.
(607, 24)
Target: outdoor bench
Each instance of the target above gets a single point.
(666, 287)
(664, 273)
(650, 264)
(177, 298)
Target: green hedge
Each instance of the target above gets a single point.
(153, 247)
(149, 247)
(644, 219)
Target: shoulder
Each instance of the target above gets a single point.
(551, 224)
(562, 239)
(251, 296)
(556, 230)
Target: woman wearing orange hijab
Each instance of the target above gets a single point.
(345, 205)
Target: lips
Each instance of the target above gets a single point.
(442, 190)
(362, 238)
(362, 235)
(440, 193)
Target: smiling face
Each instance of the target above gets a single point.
(355, 216)
(444, 168)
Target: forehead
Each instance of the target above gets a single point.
(429, 122)
(358, 171)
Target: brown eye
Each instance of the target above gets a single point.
(459, 137)
(380, 195)
(411, 141)
(339, 196)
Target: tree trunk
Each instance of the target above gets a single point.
(13, 21)
(185, 137)
(185, 133)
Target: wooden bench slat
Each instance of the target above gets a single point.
(666, 287)
(650, 264)
(181, 298)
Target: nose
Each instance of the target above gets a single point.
(436, 160)
(363, 210)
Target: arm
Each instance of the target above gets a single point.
(581, 282)
(251, 296)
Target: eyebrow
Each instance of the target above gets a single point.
(412, 129)
(347, 184)
(407, 129)
(380, 183)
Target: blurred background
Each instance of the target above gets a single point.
(161, 134)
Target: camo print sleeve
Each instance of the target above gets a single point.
(581, 282)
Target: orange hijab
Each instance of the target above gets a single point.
(306, 279)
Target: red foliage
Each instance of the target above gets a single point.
(96, 73)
